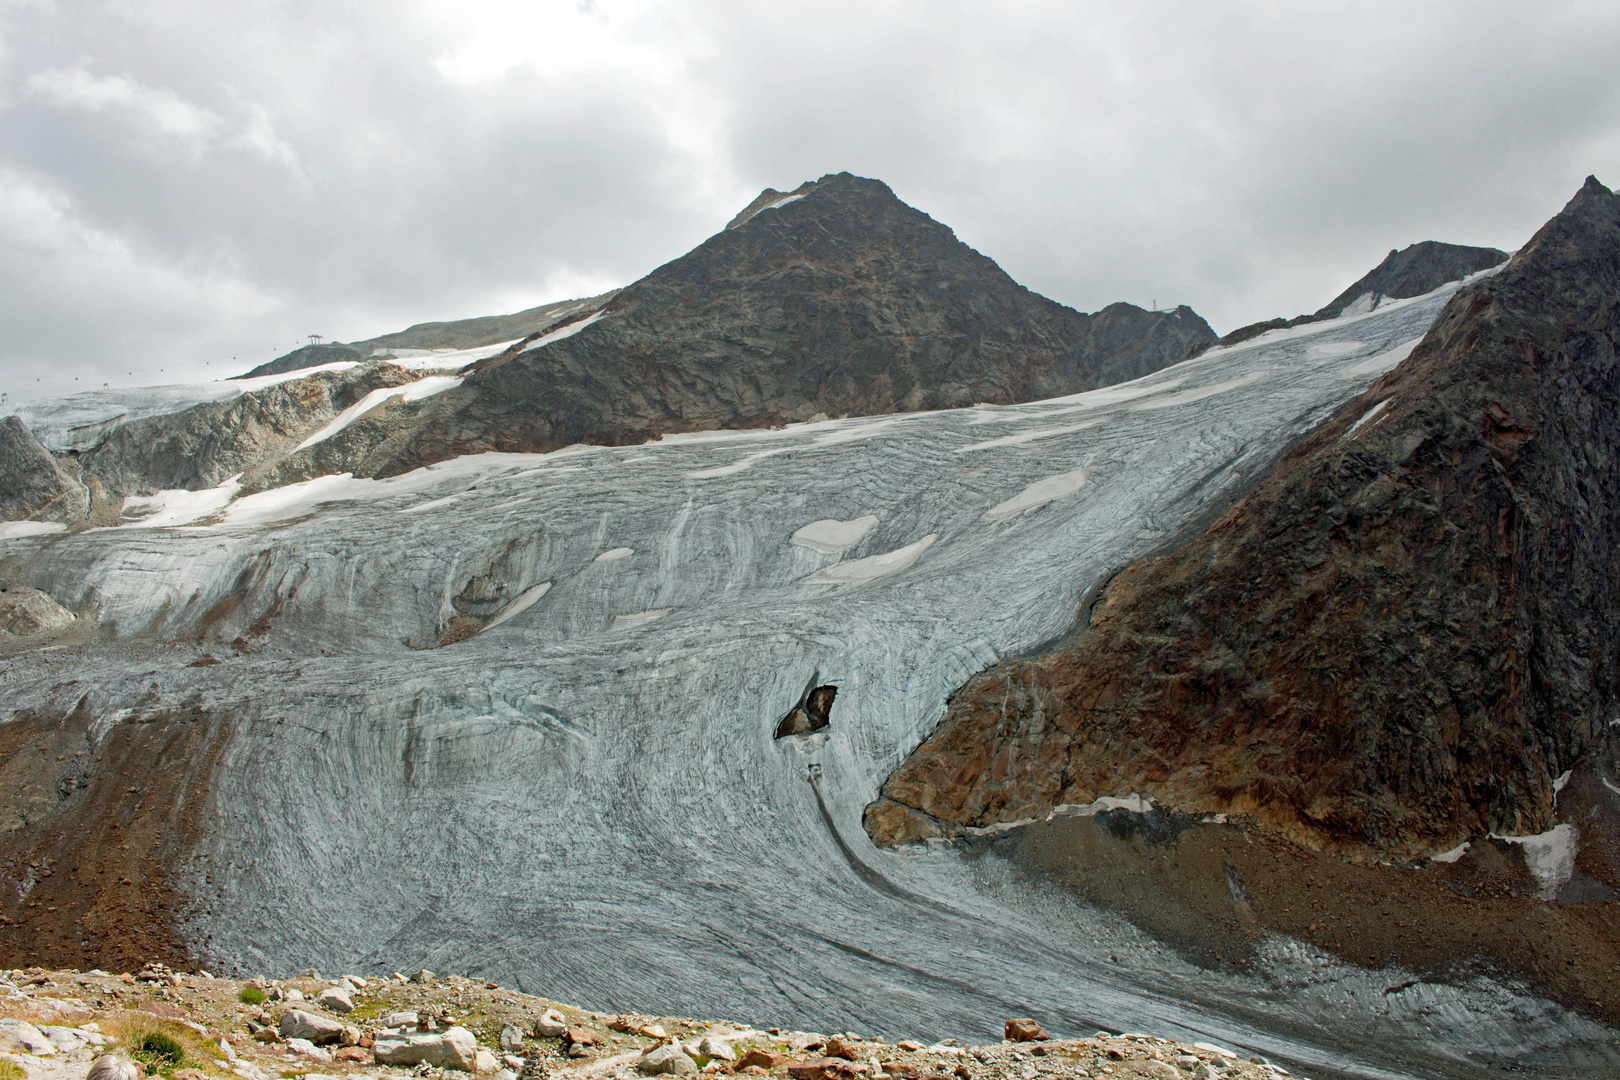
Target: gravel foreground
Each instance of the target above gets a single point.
(53, 1024)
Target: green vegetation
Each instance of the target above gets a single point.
(159, 1052)
(10, 1070)
(251, 995)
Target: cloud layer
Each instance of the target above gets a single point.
(181, 184)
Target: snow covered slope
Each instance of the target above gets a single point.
(585, 797)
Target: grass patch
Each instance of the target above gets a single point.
(10, 1070)
(161, 1046)
(251, 995)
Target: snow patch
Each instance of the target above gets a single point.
(564, 332)
(735, 467)
(441, 359)
(525, 600)
(1384, 361)
(638, 618)
(1326, 350)
(172, 507)
(1039, 493)
(615, 554)
(16, 530)
(1454, 854)
(779, 203)
(830, 536)
(1028, 436)
(1136, 804)
(1198, 393)
(1366, 416)
(1561, 780)
(874, 566)
(1550, 857)
(416, 391)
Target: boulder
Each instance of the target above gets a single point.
(305, 1048)
(716, 1049)
(551, 1024)
(764, 1059)
(454, 1049)
(423, 976)
(827, 1068)
(335, 999)
(400, 1019)
(671, 1057)
(511, 1038)
(21, 1036)
(1025, 1030)
(484, 1061)
(298, 1024)
(837, 1047)
(578, 1036)
(25, 611)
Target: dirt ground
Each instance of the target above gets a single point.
(1213, 892)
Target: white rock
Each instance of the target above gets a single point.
(515, 1063)
(305, 1048)
(668, 1058)
(298, 1024)
(455, 1049)
(551, 1024)
(355, 981)
(335, 999)
(715, 1048)
(20, 1035)
(505, 1074)
(484, 1061)
(295, 994)
(400, 1019)
(511, 1038)
(64, 1039)
(228, 1050)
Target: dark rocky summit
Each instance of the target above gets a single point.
(1394, 643)
(838, 300)
(1416, 270)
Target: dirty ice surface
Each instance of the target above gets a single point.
(585, 799)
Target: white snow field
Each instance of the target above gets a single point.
(585, 799)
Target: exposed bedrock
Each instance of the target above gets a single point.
(838, 300)
(1394, 643)
(32, 484)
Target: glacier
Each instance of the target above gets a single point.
(584, 799)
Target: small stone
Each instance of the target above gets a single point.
(909, 1045)
(423, 976)
(837, 1047)
(190, 1074)
(1159, 1070)
(295, 994)
(551, 1024)
(505, 1074)
(309, 973)
(484, 1061)
(655, 1031)
(513, 1062)
(1024, 1030)
(352, 1053)
(336, 999)
(511, 1038)
(669, 1058)
(578, 1036)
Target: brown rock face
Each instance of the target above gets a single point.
(1393, 643)
(1025, 1031)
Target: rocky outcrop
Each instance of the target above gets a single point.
(459, 334)
(1393, 644)
(1413, 271)
(25, 611)
(839, 301)
(32, 484)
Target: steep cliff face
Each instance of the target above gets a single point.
(31, 482)
(1394, 643)
(837, 300)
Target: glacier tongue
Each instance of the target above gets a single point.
(587, 800)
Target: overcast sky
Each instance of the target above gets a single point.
(183, 183)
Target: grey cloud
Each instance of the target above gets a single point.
(190, 183)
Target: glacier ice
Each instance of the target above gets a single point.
(585, 799)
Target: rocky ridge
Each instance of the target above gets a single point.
(1396, 643)
(53, 1024)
